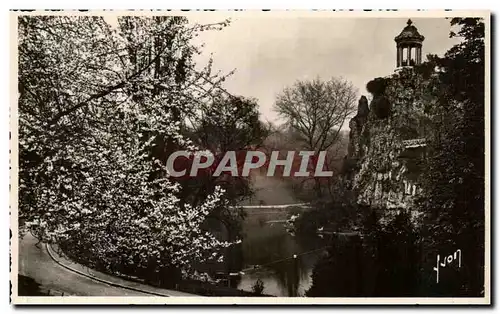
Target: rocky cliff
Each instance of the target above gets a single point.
(387, 147)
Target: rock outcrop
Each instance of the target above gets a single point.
(387, 143)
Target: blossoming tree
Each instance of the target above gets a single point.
(100, 102)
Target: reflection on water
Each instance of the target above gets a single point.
(272, 248)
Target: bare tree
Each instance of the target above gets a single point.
(316, 110)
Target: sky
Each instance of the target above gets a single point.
(272, 53)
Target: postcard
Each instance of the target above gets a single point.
(250, 157)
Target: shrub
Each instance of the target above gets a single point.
(377, 86)
(258, 287)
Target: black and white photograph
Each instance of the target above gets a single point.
(250, 157)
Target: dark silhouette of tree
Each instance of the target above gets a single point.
(339, 273)
(454, 181)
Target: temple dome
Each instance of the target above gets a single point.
(409, 34)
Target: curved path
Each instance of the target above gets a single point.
(55, 272)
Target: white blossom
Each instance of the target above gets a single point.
(94, 187)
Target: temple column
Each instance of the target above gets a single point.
(397, 57)
(408, 58)
(399, 54)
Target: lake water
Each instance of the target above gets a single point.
(267, 243)
(271, 247)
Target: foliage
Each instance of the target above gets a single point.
(96, 102)
(454, 182)
(380, 264)
(336, 274)
(377, 86)
(381, 106)
(229, 123)
(225, 123)
(340, 214)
